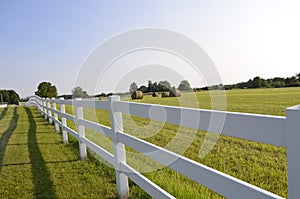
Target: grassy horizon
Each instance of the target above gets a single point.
(259, 164)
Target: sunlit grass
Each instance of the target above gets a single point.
(35, 163)
(259, 164)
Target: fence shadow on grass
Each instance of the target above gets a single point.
(3, 113)
(43, 186)
(7, 133)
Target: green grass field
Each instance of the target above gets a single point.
(259, 164)
(35, 164)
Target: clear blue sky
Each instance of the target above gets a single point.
(49, 40)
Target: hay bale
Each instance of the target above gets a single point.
(137, 95)
(175, 93)
(165, 94)
(154, 94)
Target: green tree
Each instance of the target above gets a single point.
(152, 87)
(164, 86)
(5, 96)
(78, 92)
(143, 88)
(133, 87)
(46, 89)
(10, 96)
(14, 97)
(184, 86)
(291, 81)
(257, 82)
(149, 85)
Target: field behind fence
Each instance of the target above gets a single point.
(274, 130)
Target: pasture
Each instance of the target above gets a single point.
(34, 163)
(259, 164)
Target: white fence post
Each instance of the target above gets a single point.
(80, 129)
(55, 115)
(63, 121)
(119, 149)
(41, 106)
(293, 150)
(49, 111)
(45, 109)
(39, 101)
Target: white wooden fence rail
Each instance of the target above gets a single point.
(279, 131)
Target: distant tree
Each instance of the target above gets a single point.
(143, 88)
(149, 86)
(85, 94)
(164, 86)
(277, 79)
(152, 87)
(14, 97)
(257, 82)
(133, 87)
(102, 95)
(10, 96)
(291, 81)
(217, 87)
(46, 89)
(78, 92)
(5, 96)
(184, 86)
(242, 85)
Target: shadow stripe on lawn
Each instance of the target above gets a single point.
(49, 162)
(43, 186)
(7, 134)
(3, 113)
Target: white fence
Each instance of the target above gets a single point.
(279, 131)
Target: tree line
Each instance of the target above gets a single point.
(160, 86)
(258, 82)
(47, 90)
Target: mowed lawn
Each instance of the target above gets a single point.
(259, 164)
(35, 163)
